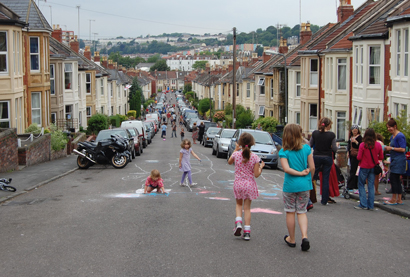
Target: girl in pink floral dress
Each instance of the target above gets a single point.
(248, 166)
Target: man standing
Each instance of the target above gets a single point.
(174, 129)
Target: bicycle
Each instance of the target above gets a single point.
(5, 185)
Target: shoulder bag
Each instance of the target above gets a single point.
(353, 151)
(377, 168)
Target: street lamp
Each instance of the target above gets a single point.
(90, 27)
(210, 107)
(286, 82)
(95, 43)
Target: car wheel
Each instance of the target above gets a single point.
(213, 150)
(218, 154)
(139, 151)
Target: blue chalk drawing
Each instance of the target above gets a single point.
(268, 194)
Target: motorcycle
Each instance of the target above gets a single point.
(113, 150)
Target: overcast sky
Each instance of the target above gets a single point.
(132, 18)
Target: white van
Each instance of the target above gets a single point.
(140, 127)
(152, 116)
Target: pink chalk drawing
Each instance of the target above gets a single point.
(218, 198)
(386, 198)
(266, 211)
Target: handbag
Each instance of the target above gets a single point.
(353, 151)
(377, 168)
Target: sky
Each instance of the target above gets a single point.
(133, 18)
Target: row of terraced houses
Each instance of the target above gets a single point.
(355, 70)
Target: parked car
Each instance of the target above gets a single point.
(190, 119)
(209, 124)
(137, 140)
(209, 136)
(147, 131)
(106, 134)
(150, 130)
(140, 127)
(264, 146)
(154, 125)
(221, 142)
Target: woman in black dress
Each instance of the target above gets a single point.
(353, 149)
(201, 131)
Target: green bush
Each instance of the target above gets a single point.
(97, 122)
(244, 119)
(115, 120)
(228, 109)
(33, 129)
(204, 105)
(82, 130)
(403, 126)
(190, 95)
(148, 102)
(58, 140)
(268, 124)
(132, 113)
(239, 110)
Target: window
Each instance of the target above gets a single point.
(298, 74)
(341, 123)
(373, 115)
(271, 113)
(404, 108)
(111, 90)
(53, 118)
(68, 75)
(45, 53)
(88, 82)
(34, 53)
(313, 72)
(398, 55)
(261, 83)
(248, 90)
(356, 64)
(237, 89)
(52, 80)
(331, 74)
(102, 110)
(312, 117)
(88, 111)
(3, 52)
(4, 114)
(297, 118)
(359, 120)
(36, 108)
(69, 111)
(261, 110)
(102, 86)
(341, 74)
(112, 110)
(119, 109)
(271, 88)
(374, 65)
(396, 110)
(406, 52)
(355, 115)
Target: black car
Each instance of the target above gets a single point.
(106, 134)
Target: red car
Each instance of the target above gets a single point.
(137, 141)
(155, 124)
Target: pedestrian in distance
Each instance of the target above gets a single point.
(355, 139)
(154, 181)
(297, 162)
(174, 130)
(370, 152)
(248, 166)
(182, 134)
(259, 128)
(184, 161)
(164, 130)
(194, 133)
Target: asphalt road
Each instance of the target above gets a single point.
(94, 223)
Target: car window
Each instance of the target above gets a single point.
(262, 138)
(132, 131)
(107, 135)
(213, 131)
(227, 133)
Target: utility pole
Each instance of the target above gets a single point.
(78, 7)
(234, 80)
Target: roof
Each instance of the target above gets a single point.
(29, 13)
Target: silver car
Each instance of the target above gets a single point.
(209, 136)
(221, 142)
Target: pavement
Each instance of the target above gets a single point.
(28, 178)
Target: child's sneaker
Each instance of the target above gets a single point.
(246, 235)
(194, 184)
(238, 228)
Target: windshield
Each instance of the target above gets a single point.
(227, 133)
(262, 138)
(212, 131)
(107, 134)
(191, 115)
(132, 131)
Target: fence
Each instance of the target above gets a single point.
(68, 124)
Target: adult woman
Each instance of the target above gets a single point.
(379, 139)
(370, 152)
(397, 161)
(194, 133)
(259, 128)
(353, 149)
(324, 143)
(201, 131)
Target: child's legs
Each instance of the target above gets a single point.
(290, 223)
(303, 224)
(183, 176)
(302, 200)
(247, 210)
(238, 208)
(149, 189)
(189, 177)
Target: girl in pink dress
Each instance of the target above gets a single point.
(248, 166)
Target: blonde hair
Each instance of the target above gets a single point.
(292, 137)
(185, 141)
(155, 174)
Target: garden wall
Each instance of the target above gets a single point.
(8, 150)
(38, 151)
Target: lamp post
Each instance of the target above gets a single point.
(286, 82)
(210, 108)
(90, 27)
(95, 43)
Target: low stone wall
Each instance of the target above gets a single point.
(36, 152)
(80, 138)
(341, 157)
(8, 150)
(58, 154)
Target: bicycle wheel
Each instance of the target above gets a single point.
(9, 188)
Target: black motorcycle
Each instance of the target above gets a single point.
(112, 150)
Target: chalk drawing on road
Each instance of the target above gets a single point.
(151, 161)
(268, 194)
(266, 211)
(218, 198)
(271, 198)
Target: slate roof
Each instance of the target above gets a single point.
(29, 13)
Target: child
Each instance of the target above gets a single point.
(174, 130)
(182, 133)
(247, 166)
(297, 162)
(164, 130)
(184, 163)
(154, 181)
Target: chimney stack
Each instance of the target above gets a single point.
(305, 33)
(345, 10)
(104, 62)
(87, 52)
(283, 48)
(96, 56)
(110, 64)
(75, 45)
(57, 33)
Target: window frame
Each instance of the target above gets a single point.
(34, 54)
(375, 66)
(406, 42)
(261, 110)
(8, 119)
(341, 130)
(398, 52)
(298, 83)
(313, 73)
(312, 126)
(102, 86)
(55, 118)
(297, 118)
(36, 108)
(68, 73)
(261, 83)
(87, 83)
(5, 54)
(52, 80)
(248, 90)
(341, 65)
(271, 88)
(88, 111)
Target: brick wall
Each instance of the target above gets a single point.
(37, 152)
(8, 150)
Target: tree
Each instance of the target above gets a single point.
(244, 119)
(153, 58)
(204, 105)
(97, 122)
(200, 65)
(187, 87)
(135, 97)
(160, 65)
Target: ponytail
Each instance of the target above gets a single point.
(246, 141)
(246, 153)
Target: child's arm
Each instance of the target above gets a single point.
(257, 169)
(231, 159)
(145, 189)
(311, 164)
(287, 169)
(180, 159)
(193, 154)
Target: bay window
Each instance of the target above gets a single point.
(4, 114)
(3, 52)
(374, 65)
(36, 108)
(341, 74)
(34, 53)
(68, 75)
